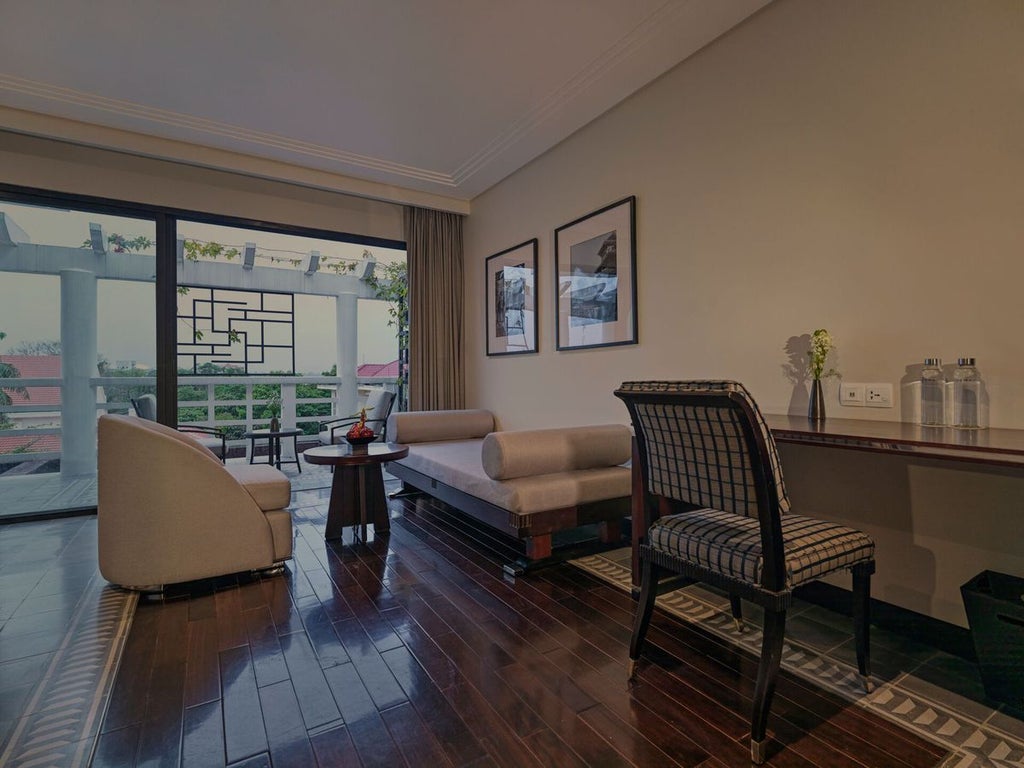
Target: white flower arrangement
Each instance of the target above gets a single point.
(821, 345)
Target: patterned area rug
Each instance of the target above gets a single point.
(973, 734)
(62, 717)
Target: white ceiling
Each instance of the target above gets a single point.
(440, 96)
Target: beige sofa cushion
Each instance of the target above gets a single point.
(531, 452)
(432, 426)
(458, 463)
(269, 487)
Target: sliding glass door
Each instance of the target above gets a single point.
(77, 320)
(228, 323)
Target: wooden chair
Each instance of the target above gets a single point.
(715, 510)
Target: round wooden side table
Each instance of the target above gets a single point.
(357, 491)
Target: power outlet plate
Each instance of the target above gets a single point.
(851, 394)
(878, 395)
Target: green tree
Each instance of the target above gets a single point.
(125, 393)
(40, 347)
(8, 371)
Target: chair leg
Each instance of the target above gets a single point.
(767, 672)
(862, 621)
(737, 611)
(644, 609)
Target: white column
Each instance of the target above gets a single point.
(78, 365)
(288, 397)
(347, 310)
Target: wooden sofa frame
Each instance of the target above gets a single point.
(535, 530)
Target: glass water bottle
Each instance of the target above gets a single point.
(933, 386)
(966, 394)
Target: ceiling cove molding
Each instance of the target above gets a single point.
(103, 137)
(57, 94)
(557, 101)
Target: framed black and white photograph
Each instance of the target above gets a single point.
(511, 289)
(595, 267)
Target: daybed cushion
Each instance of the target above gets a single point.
(432, 426)
(530, 452)
(458, 463)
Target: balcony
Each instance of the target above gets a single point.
(257, 314)
(33, 477)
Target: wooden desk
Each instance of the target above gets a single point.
(987, 446)
(999, 447)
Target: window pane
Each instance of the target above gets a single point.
(290, 324)
(77, 309)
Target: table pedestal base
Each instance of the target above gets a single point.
(357, 498)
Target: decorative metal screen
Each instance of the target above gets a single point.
(230, 331)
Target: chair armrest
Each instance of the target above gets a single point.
(213, 432)
(341, 421)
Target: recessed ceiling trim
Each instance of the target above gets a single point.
(53, 93)
(558, 100)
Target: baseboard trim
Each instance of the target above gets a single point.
(916, 626)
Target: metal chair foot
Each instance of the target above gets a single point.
(758, 749)
(147, 590)
(740, 626)
(868, 685)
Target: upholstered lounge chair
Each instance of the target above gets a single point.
(715, 510)
(169, 511)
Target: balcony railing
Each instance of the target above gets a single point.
(213, 408)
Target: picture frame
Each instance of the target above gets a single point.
(510, 287)
(595, 278)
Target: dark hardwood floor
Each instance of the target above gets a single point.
(414, 650)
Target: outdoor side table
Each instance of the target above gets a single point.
(274, 451)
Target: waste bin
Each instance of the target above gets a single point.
(995, 611)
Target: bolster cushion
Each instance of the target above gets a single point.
(433, 426)
(524, 453)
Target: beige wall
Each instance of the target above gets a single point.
(62, 167)
(853, 166)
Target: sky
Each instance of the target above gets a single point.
(30, 304)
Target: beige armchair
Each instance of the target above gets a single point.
(170, 511)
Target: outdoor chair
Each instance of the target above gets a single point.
(715, 510)
(378, 406)
(211, 437)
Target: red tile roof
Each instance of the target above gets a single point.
(30, 443)
(379, 370)
(35, 367)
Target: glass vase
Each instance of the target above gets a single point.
(816, 403)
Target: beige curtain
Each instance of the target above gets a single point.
(433, 242)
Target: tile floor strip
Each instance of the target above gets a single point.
(60, 722)
(974, 743)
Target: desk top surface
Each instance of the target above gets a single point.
(988, 446)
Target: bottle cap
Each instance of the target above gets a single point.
(937, 361)
(965, 361)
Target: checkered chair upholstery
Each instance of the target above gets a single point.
(731, 545)
(716, 510)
